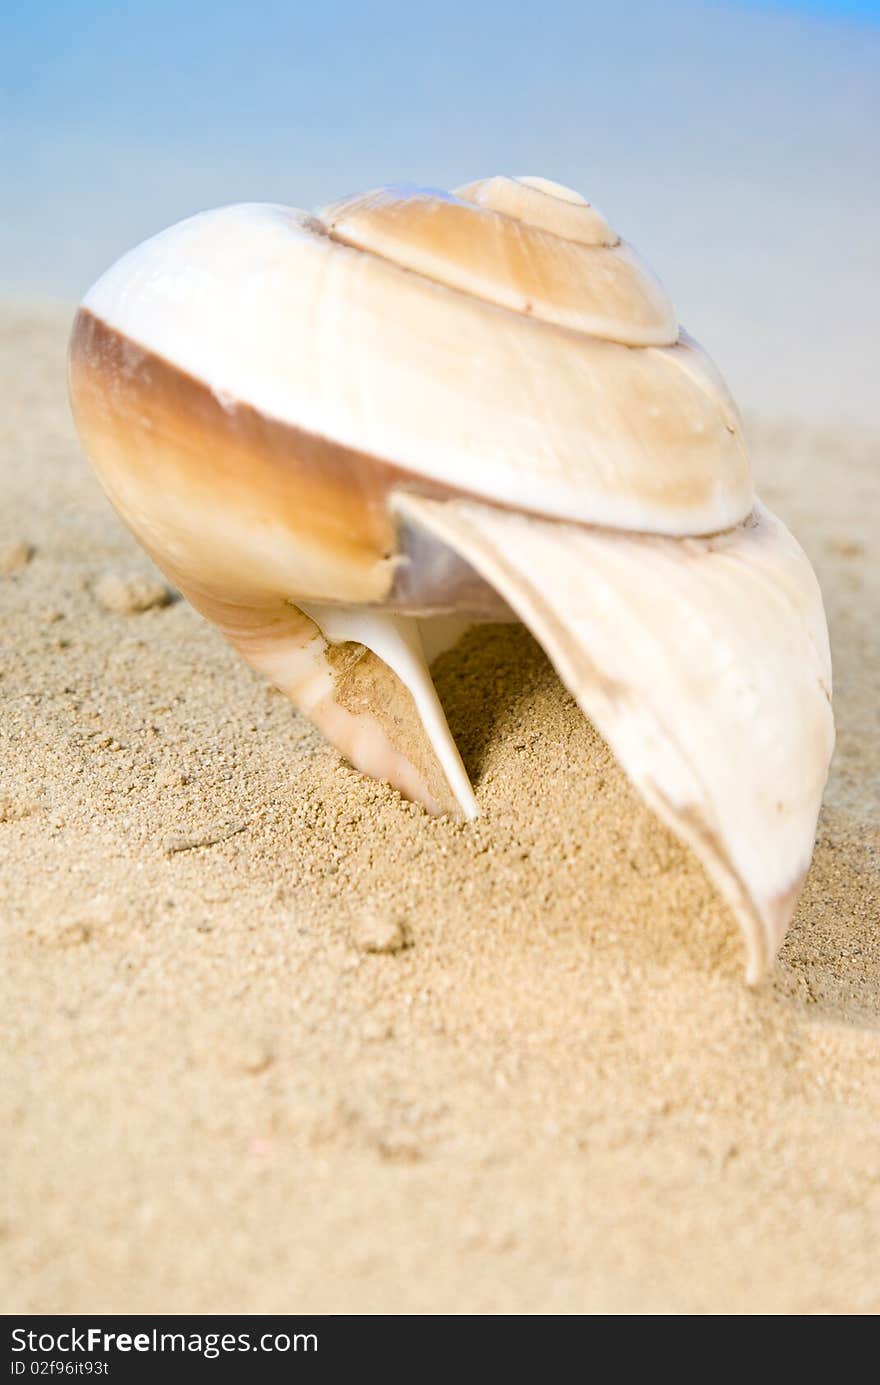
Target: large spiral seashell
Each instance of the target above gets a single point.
(340, 436)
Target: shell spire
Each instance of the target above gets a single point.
(343, 435)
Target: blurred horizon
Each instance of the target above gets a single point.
(735, 144)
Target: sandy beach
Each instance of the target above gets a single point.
(277, 1041)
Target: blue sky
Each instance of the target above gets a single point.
(737, 145)
(828, 9)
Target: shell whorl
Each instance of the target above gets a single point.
(519, 246)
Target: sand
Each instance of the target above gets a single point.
(275, 1040)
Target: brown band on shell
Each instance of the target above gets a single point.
(155, 430)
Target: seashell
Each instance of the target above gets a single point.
(344, 437)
